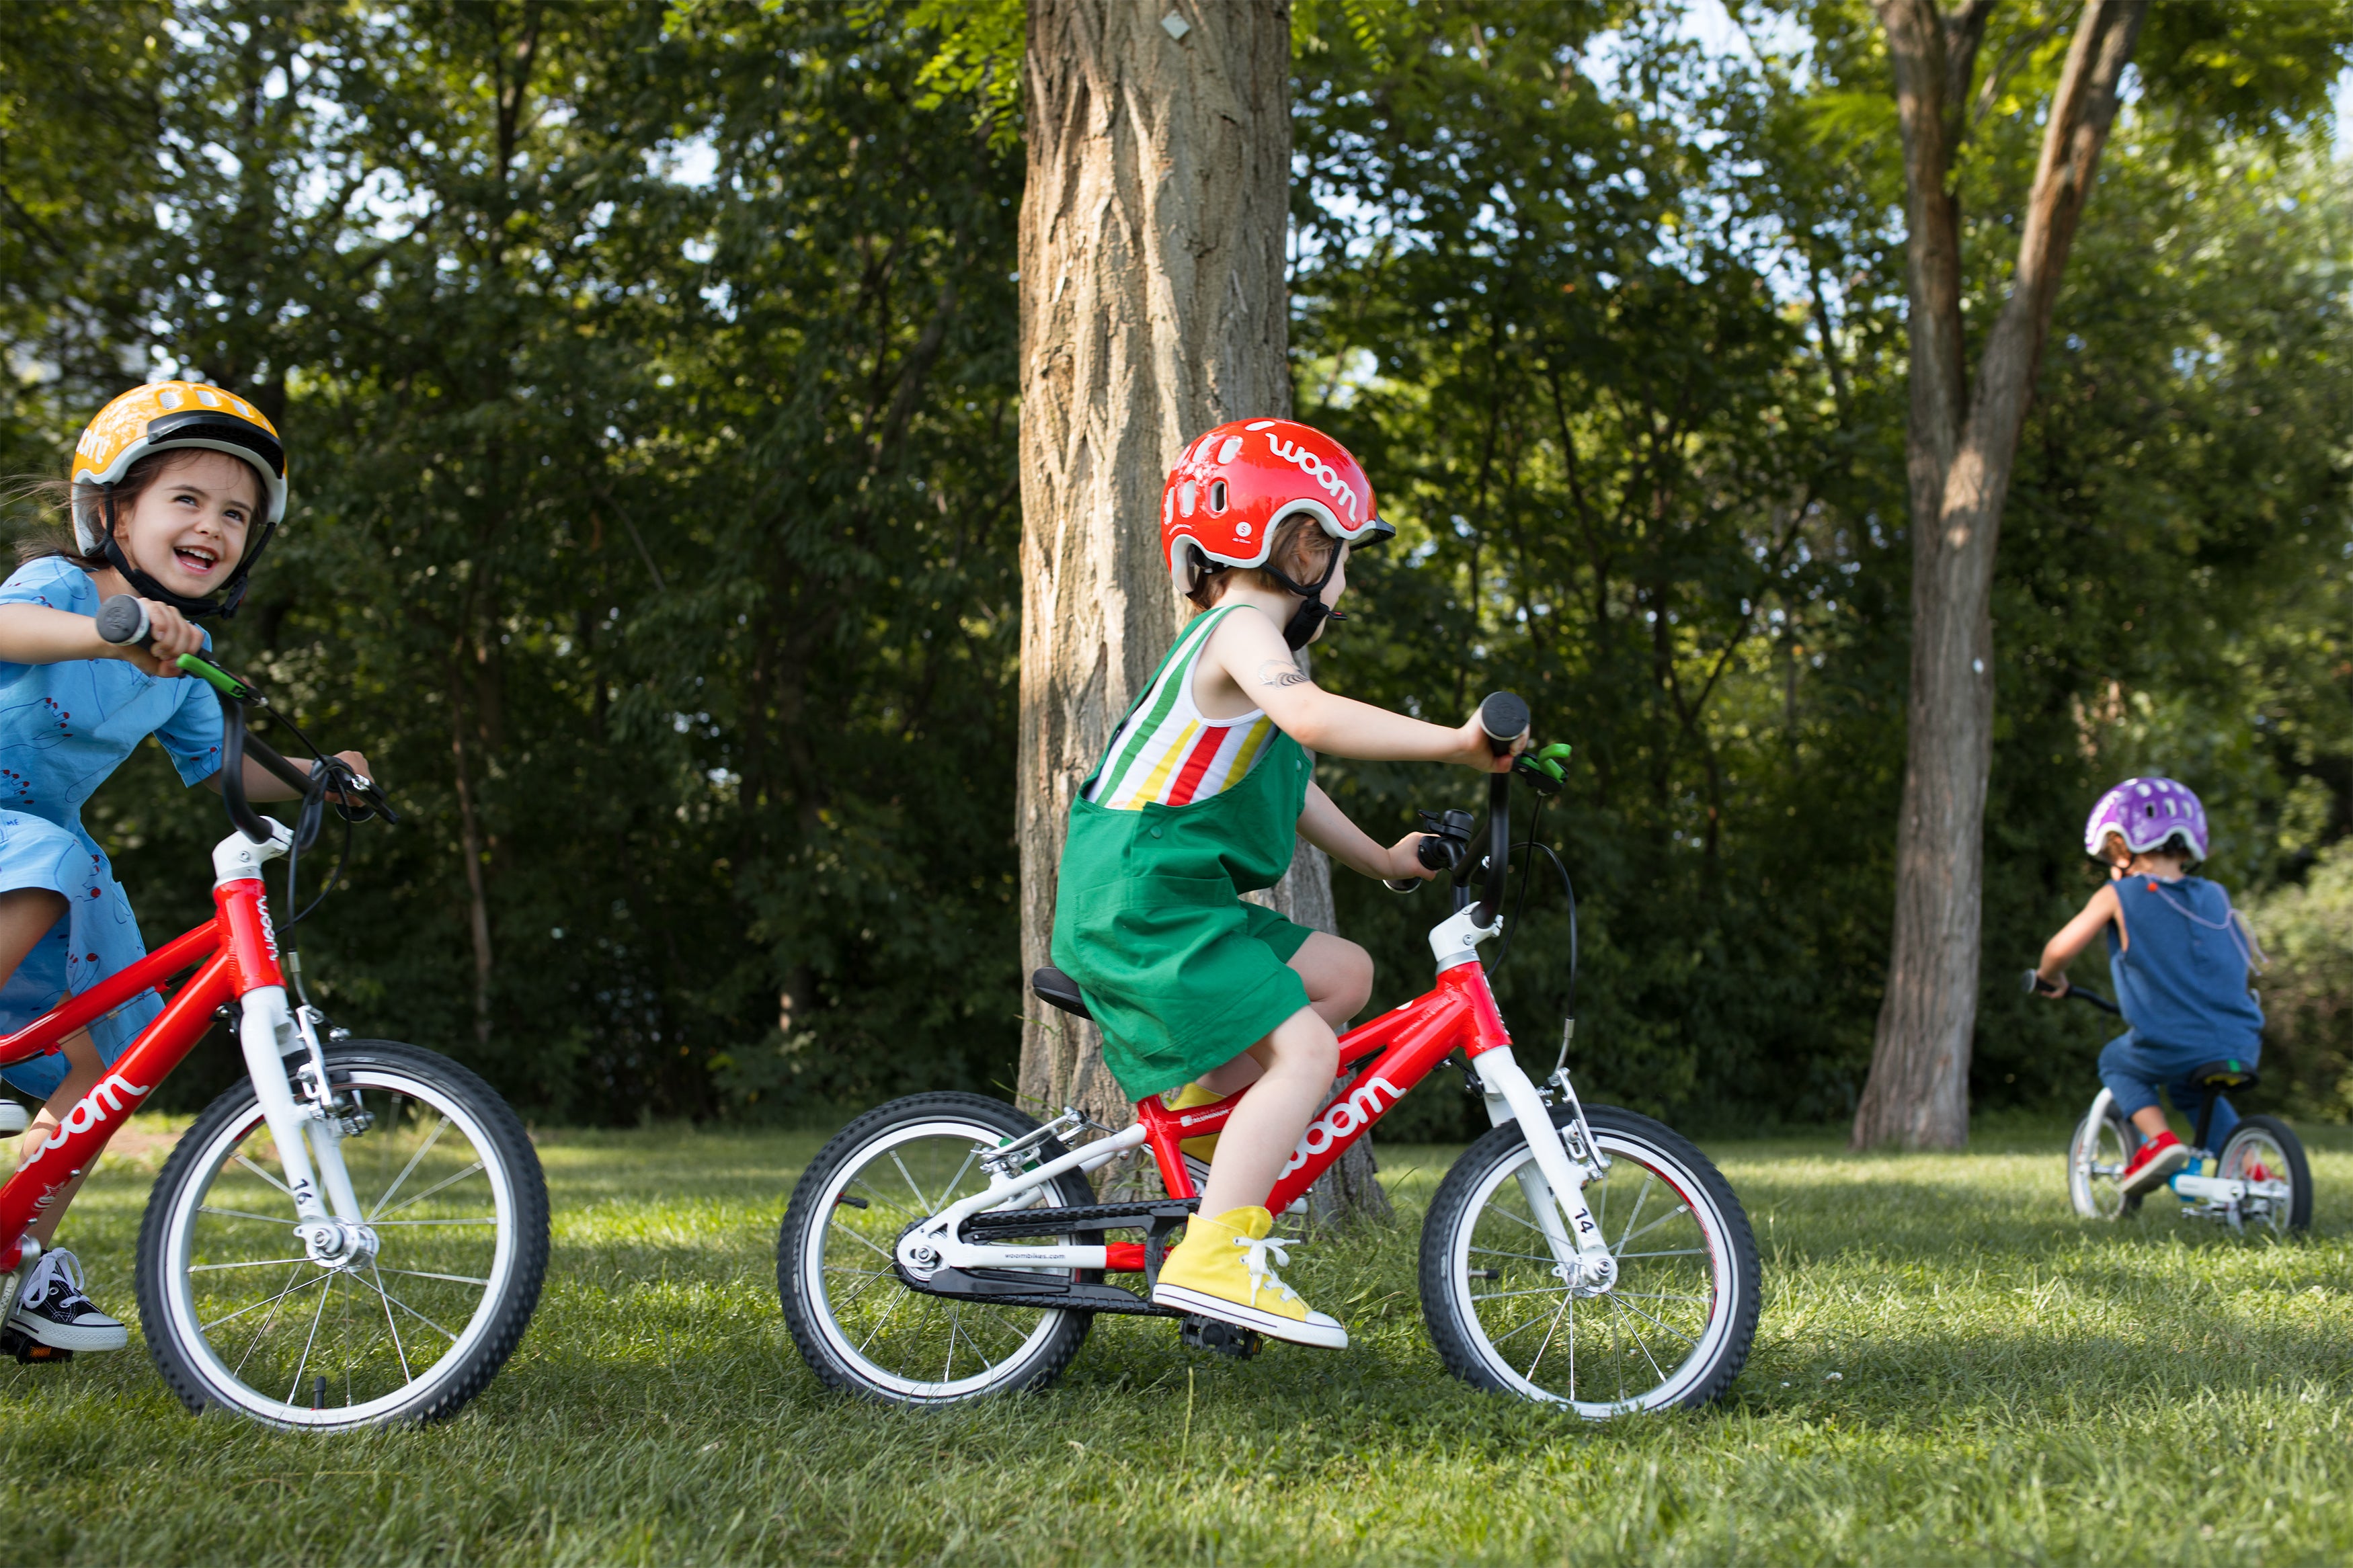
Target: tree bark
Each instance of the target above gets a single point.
(1153, 307)
(1961, 447)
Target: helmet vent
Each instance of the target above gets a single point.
(1217, 496)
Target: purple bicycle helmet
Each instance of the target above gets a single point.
(2145, 813)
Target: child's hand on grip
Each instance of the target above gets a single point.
(169, 635)
(1404, 860)
(1477, 753)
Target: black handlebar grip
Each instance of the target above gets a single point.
(122, 620)
(2033, 981)
(1505, 719)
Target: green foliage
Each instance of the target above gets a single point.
(649, 376)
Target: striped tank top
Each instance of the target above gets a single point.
(1165, 752)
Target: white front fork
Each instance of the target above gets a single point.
(1577, 1245)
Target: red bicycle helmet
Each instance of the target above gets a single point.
(1231, 487)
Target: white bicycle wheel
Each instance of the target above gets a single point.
(854, 1318)
(1674, 1330)
(2105, 1144)
(237, 1314)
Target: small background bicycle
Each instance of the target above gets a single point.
(2259, 1177)
(946, 1247)
(355, 1237)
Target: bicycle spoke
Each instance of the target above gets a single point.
(1655, 1296)
(242, 1213)
(488, 1219)
(1566, 1303)
(871, 1246)
(1660, 1322)
(422, 1274)
(424, 1149)
(1523, 1328)
(1530, 1256)
(1675, 1212)
(446, 1181)
(257, 1306)
(258, 1263)
(397, 1348)
(888, 1202)
(263, 1332)
(265, 1175)
(377, 1285)
(1640, 1198)
(885, 1323)
(308, 1343)
(1678, 1252)
(1642, 1344)
(1501, 1295)
(911, 1187)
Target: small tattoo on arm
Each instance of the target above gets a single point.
(1280, 672)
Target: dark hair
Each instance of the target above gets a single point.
(52, 502)
(1300, 551)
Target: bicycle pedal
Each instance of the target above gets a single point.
(1226, 1339)
(28, 1352)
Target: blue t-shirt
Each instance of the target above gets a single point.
(64, 729)
(2182, 980)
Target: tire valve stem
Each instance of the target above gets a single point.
(1486, 1274)
(319, 1392)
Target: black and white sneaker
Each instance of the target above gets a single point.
(51, 1309)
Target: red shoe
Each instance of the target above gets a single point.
(2158, 1158)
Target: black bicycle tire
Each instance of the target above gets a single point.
(527, 1181)
(1454, 1342)
(2299, 1214)
(792, 1234)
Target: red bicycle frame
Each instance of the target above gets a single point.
(237, 951)
(1391, 1054)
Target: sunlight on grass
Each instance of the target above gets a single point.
(1950, 1367)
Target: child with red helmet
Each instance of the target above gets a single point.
(1198, 800)
(2179, 954)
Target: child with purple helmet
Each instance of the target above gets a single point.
(2181, 955)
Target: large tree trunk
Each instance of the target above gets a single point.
(1152, 306)
(1961, 449)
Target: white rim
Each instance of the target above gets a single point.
(2243, 1141)
(838, 1342)
(188, 1330)
(1700, 1356)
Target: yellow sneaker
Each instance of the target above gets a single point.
(1222, 1270)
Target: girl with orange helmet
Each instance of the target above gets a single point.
(175, 489)
(1199, 799)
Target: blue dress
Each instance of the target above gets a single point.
(63, 727)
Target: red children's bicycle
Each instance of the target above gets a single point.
(355, 1237)
(946, 1247)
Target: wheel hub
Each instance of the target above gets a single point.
(338, 1244)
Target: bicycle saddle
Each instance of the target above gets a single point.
(1058, 989)
(2225, 1074)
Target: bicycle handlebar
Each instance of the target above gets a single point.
(2036, 985)
(122, 620)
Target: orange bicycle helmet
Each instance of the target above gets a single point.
(165, 416)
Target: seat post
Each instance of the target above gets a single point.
(2205, 1119)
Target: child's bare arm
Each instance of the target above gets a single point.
(1327, 827)
(35, 634)
(1249, 651)
(2074, 938)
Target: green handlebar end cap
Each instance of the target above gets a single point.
(1558, 750)
(221, 680)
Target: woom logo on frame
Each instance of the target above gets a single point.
(1343, 1118)
(93, 1107)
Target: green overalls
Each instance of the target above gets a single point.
(1148, 915)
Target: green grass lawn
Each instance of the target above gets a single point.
(1950, 1368)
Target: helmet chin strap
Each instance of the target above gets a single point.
(1312, 611)
(148, 588)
